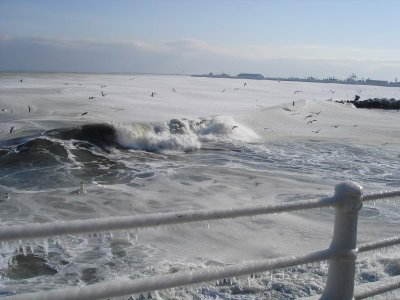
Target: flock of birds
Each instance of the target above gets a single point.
(310, 119)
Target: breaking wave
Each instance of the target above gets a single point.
(181, 134)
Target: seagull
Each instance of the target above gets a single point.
(245, 84)
(153, 94)
(317, 113)
(223, 91)
(85, 113)
(103, 94)
(295, 92)
(173, 90)
(296, 113)
(266, 128)
(309, 116)
(20, 80)
(335, 126)
(103, 86)
(12, 129)
(310, 122)
(293, 102)
(92, 97)
(332, 91)
(316, 131)
(29, 108)
(3, 109)
(234, 127)
(355, 125)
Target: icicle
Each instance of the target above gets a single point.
(7, 246)
(46, 246)
(33, 247)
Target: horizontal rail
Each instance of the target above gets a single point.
(117, 288)
(367, 290)
(32, 231)
(392, 241)
(380, 195)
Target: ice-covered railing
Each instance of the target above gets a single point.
(341, 253)
(34, 231)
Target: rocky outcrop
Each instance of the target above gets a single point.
(379, 103)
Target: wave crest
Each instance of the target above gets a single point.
(181, 134)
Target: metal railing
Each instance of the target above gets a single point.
(342, 252)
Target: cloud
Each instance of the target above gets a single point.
(192, 56)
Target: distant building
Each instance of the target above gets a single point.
(376, 82)
(250, 76)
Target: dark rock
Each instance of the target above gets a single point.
(376, 103)
(29, 266)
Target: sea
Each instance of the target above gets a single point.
(82, 146)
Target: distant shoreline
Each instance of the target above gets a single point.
(371, 82)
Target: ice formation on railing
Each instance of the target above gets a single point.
(33, 231)
(124, 287)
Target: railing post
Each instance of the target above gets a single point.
(341, 271)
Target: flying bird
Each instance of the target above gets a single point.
(316, 131)
(234, 127)
(295, 92)
(309, 116)
(332, 91)
(223, 91)
(335, 126)
(85, 113)
(12, 129)
(153, 94)
(317, 113)
(103, 94)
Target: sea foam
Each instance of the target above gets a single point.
(181, 134)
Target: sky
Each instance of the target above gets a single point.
(276, 38)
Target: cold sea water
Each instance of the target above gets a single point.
(176, 164)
